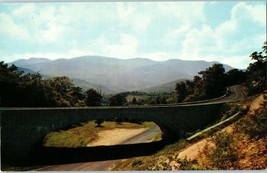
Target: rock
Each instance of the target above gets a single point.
(167, 161)
(175, 166)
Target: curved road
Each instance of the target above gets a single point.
(234, 93)
(145, 136)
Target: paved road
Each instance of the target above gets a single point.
(234, 94)
(146, 136)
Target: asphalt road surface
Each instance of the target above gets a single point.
(234, 93)
(146, 136)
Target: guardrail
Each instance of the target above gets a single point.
(213, 127)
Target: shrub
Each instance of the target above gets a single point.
(224, 156)
(253, 126)
(99, 122)
(137, 162)
(186, 164)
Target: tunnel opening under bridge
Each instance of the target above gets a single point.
(146, 140)
(24, 143)
(102, 132)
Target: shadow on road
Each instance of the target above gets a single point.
(54, 156)
(51, 155)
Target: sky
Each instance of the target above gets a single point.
(227, 31)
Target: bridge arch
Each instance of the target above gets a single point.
(23, 129)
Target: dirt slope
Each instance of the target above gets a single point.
(238, 146)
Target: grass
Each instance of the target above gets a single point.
(82, 135)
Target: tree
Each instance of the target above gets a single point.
(93, 98)
(99, 122)
(257, 81)
(30, 90)
(20, 89)
(34, 91)
(134, 101)
(212, 83)
(214, 80)
(118, 100)
(63, 92)
(235, 76)
(181, 91)
(10, 79)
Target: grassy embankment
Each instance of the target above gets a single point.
(239, 145)
(82, 135)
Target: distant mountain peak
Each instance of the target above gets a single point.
(117, 74)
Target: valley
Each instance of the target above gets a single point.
(113, 75)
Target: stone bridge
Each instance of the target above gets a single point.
(23, 129)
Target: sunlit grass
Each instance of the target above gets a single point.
(88, 132)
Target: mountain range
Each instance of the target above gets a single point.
(113, 75)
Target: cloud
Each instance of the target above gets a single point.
(51, 55)
(134, 15)
(183, 12)
(199, 41)
(243, 12)
(241, 61)
(34, 24)
(158, 56)
(155, 30)
(243, 25)
(13, 30)
(230, 42)
(126, 47)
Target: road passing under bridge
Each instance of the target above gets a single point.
(23, 129)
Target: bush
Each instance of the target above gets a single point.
(253, 126)
(99, 122)
(137, 162)
(225, 156)
(186, 164)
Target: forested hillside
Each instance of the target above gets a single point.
(115, 74)
(33, 90)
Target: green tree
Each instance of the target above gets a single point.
(235, 76)
(30, 90)
(181, 91)
(93, 98)
(197, 91)
(19, 89)
(63, 92)
(118, 100)
(212, 83)
(99, 122)
(34, 93)
(257, 81)
(10, 79)
(214, 80)
(134, 101)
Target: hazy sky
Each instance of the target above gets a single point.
(213, 31)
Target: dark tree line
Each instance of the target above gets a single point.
(257, 71)
(18, 89)
(210, 84)
(118, 100)
(31, 90)
(213, 81)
